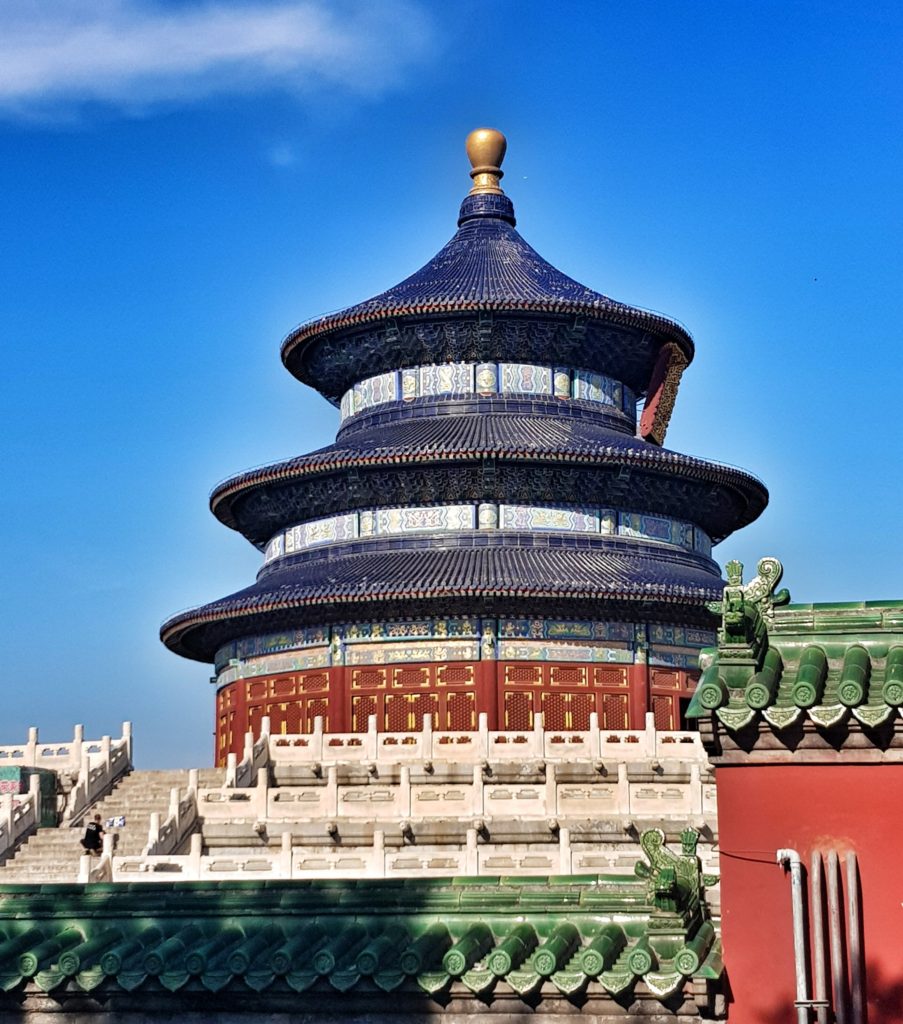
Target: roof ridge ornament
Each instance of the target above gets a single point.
(747, 610)
(486, 149)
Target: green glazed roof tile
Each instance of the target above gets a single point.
(528, 932)
(815, 661)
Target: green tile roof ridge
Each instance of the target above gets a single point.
(782, 670)
(835, 617)
(79, 938)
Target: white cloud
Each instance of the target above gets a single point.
(282, 155)
(131, 54)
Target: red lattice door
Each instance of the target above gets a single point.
(362, 707)
(663, 711)
(614, 711)
(518, 710)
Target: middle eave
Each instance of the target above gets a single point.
(463, 439)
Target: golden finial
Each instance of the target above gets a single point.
(486, 151)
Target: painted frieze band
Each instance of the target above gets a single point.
(410, 519)
(461, 639)
(449, 379)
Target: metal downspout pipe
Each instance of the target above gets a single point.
(844, 929)
(854, 940)
(791, 859)
(835, 926)
(816, 908)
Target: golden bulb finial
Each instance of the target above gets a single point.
(486, 151)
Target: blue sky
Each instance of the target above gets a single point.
(181, 183)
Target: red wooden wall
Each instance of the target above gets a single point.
(454, 693)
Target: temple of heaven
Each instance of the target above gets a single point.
(495, 529)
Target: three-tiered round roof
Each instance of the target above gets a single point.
(492, 399)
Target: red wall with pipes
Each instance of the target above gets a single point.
(807, 807)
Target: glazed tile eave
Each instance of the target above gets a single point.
(486, 266)
(508, 438)
(834, 665)
(597, 573)
(98, 942)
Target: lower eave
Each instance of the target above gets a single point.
(366, 583)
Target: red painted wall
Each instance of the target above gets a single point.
(806, 807)
(455, 693)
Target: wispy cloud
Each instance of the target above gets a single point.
(131, 54)
(282, 155)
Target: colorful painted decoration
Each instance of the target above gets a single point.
(448, 379)
(410, 519)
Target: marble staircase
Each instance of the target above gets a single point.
(53, 854)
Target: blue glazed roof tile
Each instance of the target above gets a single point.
(427, 439)
(487, 265)
(596, 570)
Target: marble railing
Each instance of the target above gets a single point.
(19, 815)
(97, 869)
(62, 756)
(167, 836)
(682, 790)
(481, 745)
(385, 805)
(473, 856)
(101, 765)
(256, 756)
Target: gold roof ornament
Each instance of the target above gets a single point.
(486, 151)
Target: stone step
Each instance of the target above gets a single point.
(55, 854)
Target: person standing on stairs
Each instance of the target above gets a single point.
(93, 840)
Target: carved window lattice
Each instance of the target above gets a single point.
(411, 677)
(518, 710)
(582, 706)
(257, 689)
(226, 726)
(291, 720)
(461, 711)
(523, 674)
(665, 680)
(368, 678)
(422, 705)
(255, 714)
(282, 686)
(318, 707)
(568, 675)
(315, 682)
(396, 713)
(455, 675)
(567, 710)
(614, 711)
(276, 714)
(555, 710)
(610, 677)
(663, 710)
(361, 709)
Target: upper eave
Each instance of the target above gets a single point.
(606, 310)
(485, 267)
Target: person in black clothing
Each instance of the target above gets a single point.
(93, 841)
